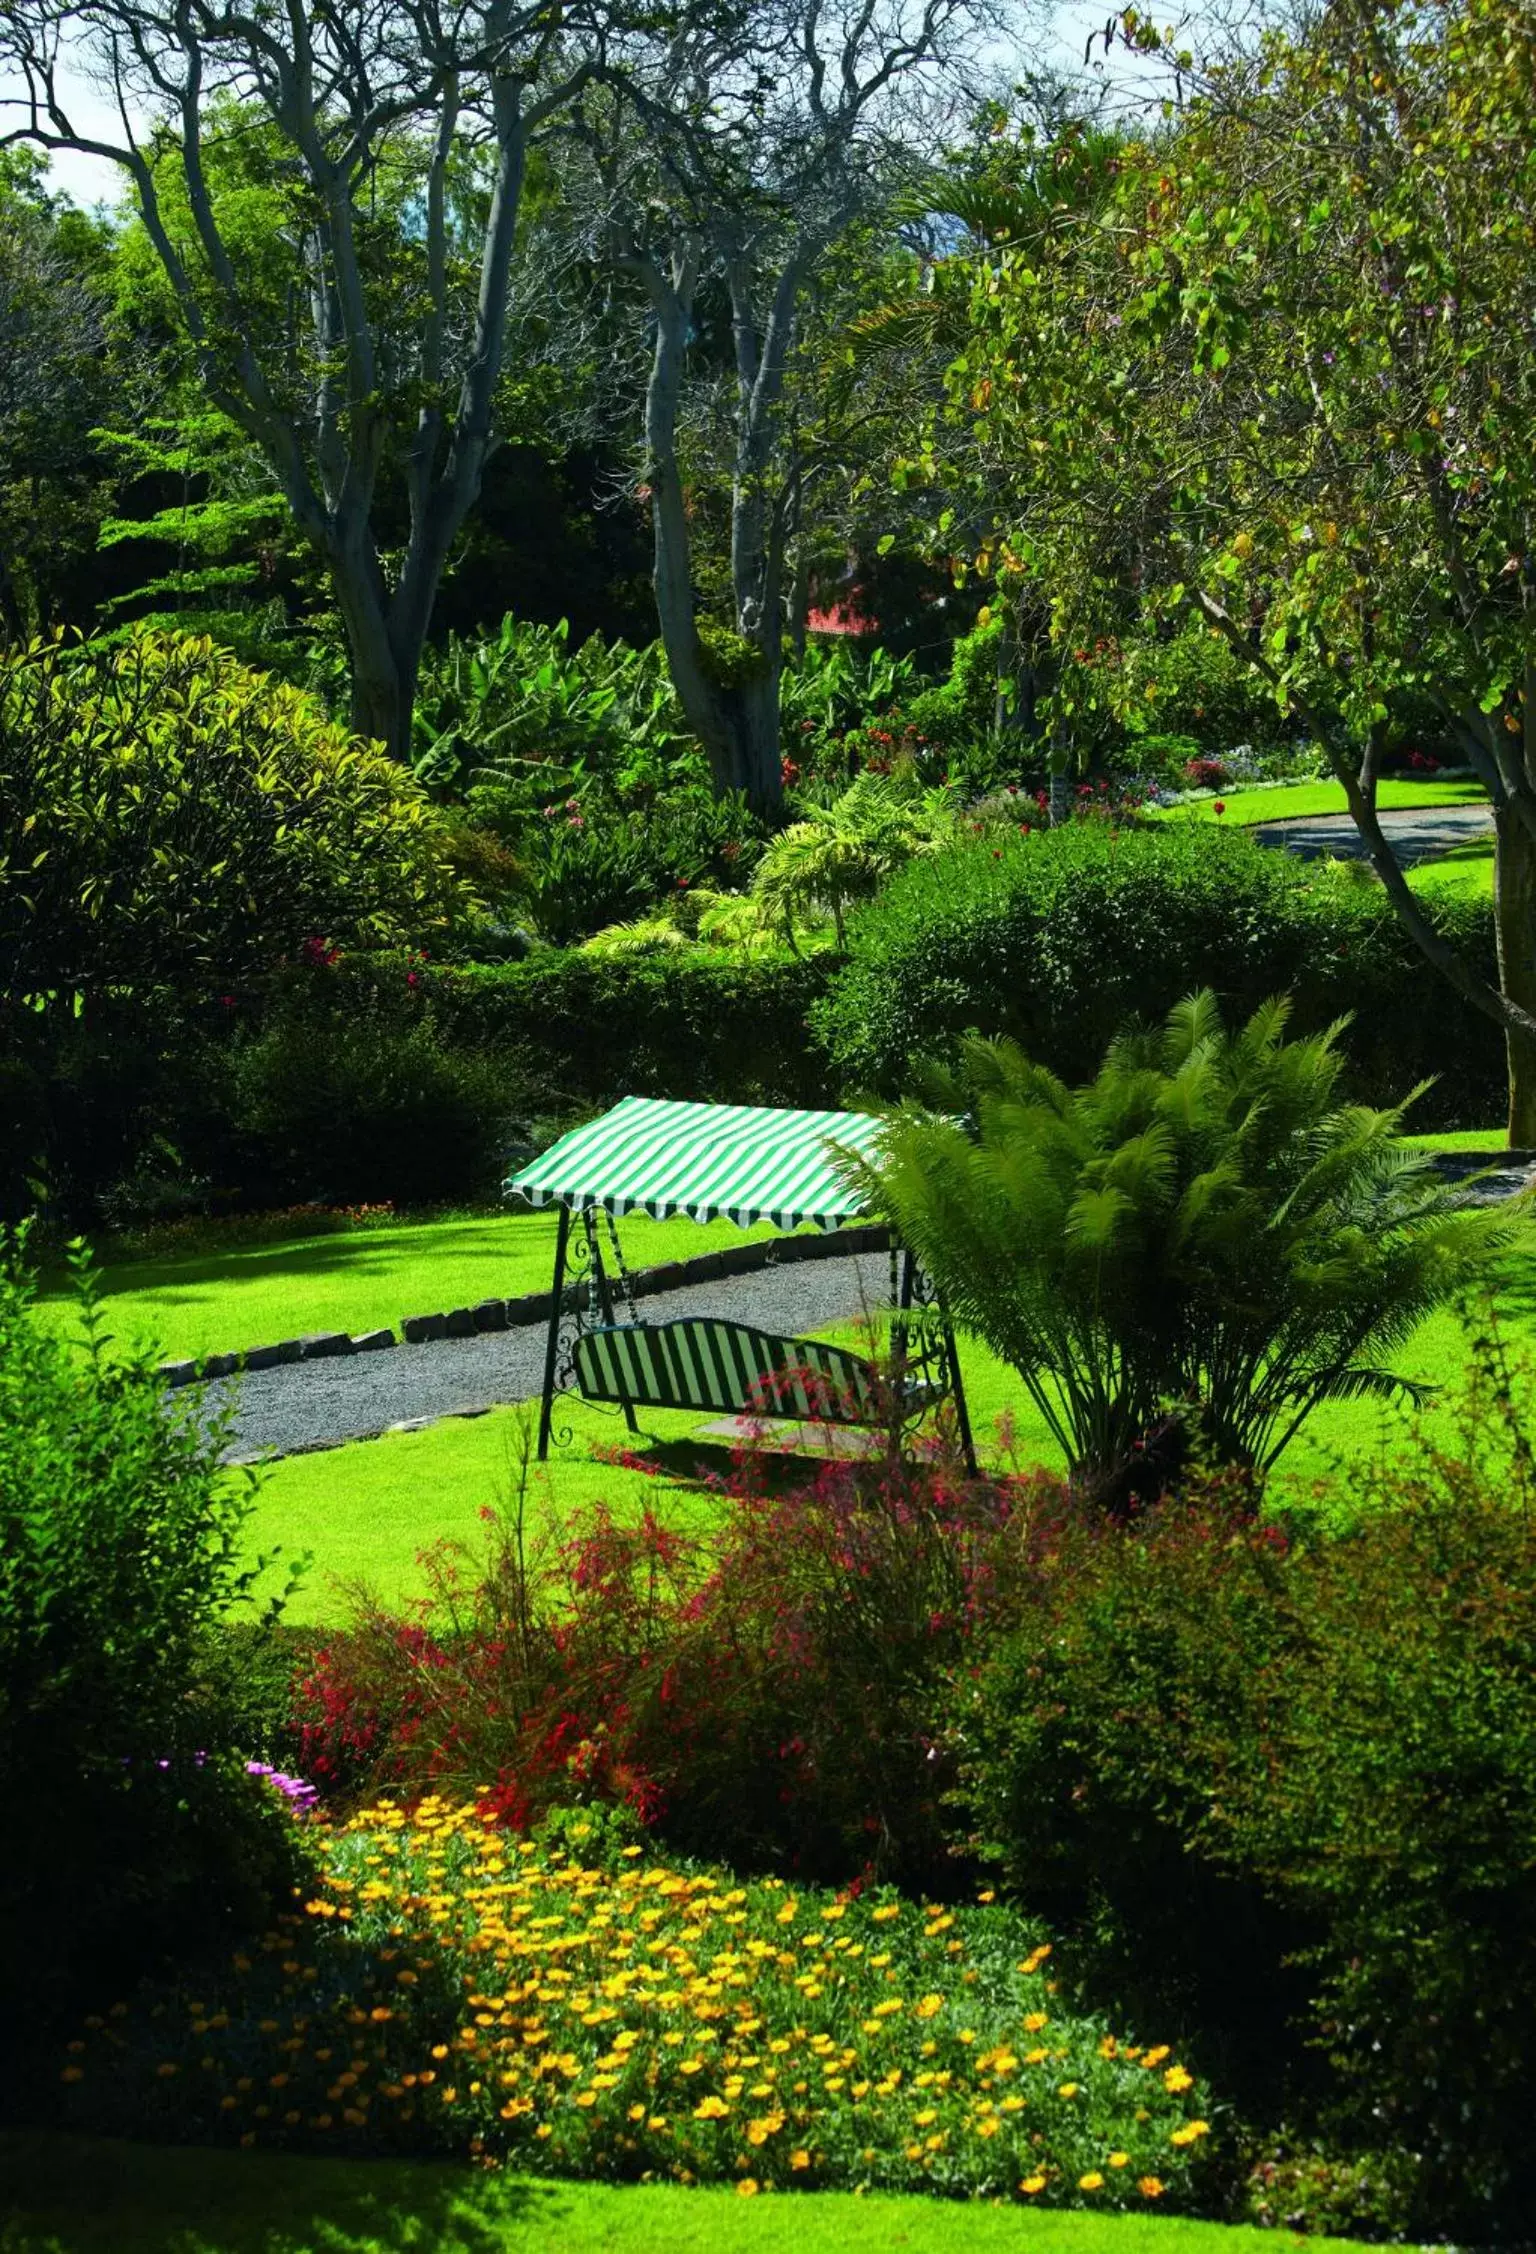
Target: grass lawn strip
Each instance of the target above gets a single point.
(74, 2195)
(451, 1990)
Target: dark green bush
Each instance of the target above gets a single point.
(697, 1023)
(1057, 937)
(133, 1825)
(587, 864)
(1291, 1785)
(347, 1088)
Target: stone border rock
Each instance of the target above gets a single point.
(531, 1307)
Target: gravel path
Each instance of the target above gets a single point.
(1417, 833)
(302, 1405)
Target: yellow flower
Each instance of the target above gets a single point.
(1150, 2187)
(1032, 2184)
(711, 2109)
(1119, 2160)
(637, 2113)
(1069, 2089)
(1178, 2078)
(928, 2008)
(1035, 2020)
(800, 2158)
(1155, 2056)
(747, 2188)
(1191, 2132)
(885, 1913)
(586, 2097)
(1093, 2181)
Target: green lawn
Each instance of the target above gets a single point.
(1292, 801)
(67, 2195)
(1467, 870)
(215, 1301)
(366, 1511)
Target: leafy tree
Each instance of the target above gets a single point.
(350, 349)
(54, 383)
(1284, 383)
(762, 142)
(171, 821)
(1203, 1232)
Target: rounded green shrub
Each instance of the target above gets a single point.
(171, 821)
(1056, 938)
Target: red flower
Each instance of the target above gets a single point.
(1220, 806)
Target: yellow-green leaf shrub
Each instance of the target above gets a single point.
(172, 820)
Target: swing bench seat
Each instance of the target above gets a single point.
(704, 1362)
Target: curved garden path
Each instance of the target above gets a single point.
(1417, 833)
(303, 1405)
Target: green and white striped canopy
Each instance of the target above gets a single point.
(741, 1162)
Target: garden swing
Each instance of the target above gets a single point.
(743, 1163)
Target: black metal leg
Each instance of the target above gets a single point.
(605, 1300)
(552, 1344)
(962, 1412)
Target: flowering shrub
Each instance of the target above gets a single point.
(446, 1989)
(1205, 774)
(765, 1686)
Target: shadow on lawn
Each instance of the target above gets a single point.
(321, 1256)
(69, 2195)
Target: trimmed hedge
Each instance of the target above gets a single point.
(1057, 938)
(695, 1023)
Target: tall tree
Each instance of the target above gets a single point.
(762, 138)
(1286, 383)
(54, 384)
(348, 371)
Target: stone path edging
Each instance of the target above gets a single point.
(533, 1306)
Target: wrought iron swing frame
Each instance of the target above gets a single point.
(915, 1305)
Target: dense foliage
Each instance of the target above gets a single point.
(171, 820)
(1193, 1250)
(1284, 1787)
(763, 1687)
(1056, 939)
(120, 1557)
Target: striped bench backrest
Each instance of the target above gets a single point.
(699, 1362)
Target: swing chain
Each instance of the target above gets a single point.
(621, 1272)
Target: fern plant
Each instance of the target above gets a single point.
(1202, 1233)
(844, 852)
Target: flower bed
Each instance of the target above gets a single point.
(451, 1989)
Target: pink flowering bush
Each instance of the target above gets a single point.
(766, 1688)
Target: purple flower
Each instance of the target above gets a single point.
(300, 1795)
